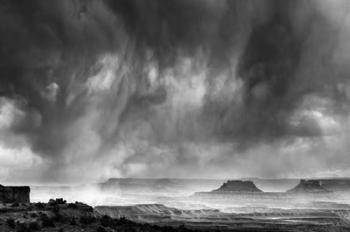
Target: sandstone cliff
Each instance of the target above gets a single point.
(9, 194)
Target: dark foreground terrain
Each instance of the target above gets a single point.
(57, 215)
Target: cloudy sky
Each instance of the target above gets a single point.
(92, 89)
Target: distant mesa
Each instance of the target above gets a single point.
(159, 185)
(308, 186)
(18, 194)
(238, 186)
(336, 184)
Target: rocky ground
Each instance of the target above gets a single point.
(287, 220)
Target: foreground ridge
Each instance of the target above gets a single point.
(58, 215)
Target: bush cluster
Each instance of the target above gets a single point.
(46, 221)
(87, 220)
(57, 201)
(39, 205)
(11, 223)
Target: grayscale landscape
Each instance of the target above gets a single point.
(174, 115)
(207, 205)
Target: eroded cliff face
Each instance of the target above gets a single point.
(238, 186)
(11, 194)
(308, 186)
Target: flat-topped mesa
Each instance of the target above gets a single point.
(238, 186)
(308, 186)
(11, 194)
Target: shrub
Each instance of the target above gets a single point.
(15, 204)
(55, 209)
(86, 220)
(58, 217)
(46, 221)
(83, 206)
(73, 222)
(123, 221)
(21, 227)
(60, 201)
(106, 221)
(101, 229)
(39, 205)
(34, 226)
(52, 202)
(72, 206)
(25, 215)
(11, 223)
(57, 201)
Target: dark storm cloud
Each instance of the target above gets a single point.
(166, 72)
(44, 43)
(268, 68)
(272, 67)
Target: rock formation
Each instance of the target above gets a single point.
(238, 186)
(9, 194)
(308, 186)
(336, 184)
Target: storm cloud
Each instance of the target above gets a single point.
(162, 87)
